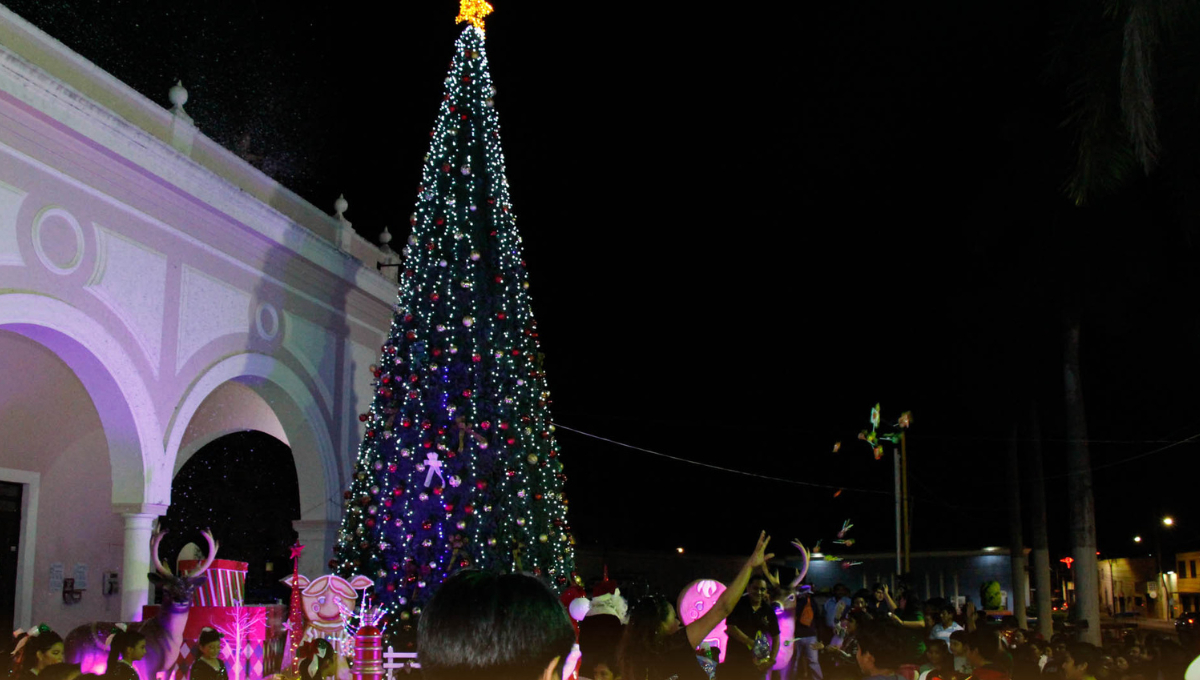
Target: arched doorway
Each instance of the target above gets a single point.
(258, 392)
(54, 472)
(243, 486)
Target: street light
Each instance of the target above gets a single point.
(1137, 539)
(1168, 522)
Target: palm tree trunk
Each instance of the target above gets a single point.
(1041, 543)
(1016, 551)
(1081, 502)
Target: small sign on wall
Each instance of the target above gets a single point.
(81, 576)
(56, 577)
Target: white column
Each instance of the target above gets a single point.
(135, 585)
(318, 536)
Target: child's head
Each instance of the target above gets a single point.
(126, 645)
(1081, 660)
(42, 648)
(937, 652)
(958, 643)
(210, 643)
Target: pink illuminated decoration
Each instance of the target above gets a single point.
(786, 613)
(697, 598)
(323, 601)
(242, 626)
(787, 635)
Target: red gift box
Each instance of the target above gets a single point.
(226, 583)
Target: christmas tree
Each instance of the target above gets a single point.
(459, 466)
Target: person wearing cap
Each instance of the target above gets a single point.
(209, 665)
(601, 630)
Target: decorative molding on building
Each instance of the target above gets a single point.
(208, 309)
(130, 279)
(44, 240)
(316, 350)
(11, 199)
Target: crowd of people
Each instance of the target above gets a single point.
(511, 627)
(38, 654)
(481, 625)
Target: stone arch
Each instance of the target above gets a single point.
(231, 407)
(120, 395)
(299, 414)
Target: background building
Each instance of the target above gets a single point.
(156, 293)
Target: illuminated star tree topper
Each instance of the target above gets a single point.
(473, 12)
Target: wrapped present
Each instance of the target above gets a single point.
(226, 583)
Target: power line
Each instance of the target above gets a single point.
(718, 467)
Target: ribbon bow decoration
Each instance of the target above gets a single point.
(460, 423)
(458, 546)
(109, 640)
(433, 466)
(517, 551)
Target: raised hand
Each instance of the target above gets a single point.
(759, 557)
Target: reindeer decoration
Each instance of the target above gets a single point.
(87, 645)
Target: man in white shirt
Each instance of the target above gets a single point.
(946, 625)
(837, 606)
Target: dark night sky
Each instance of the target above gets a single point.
(743, 229)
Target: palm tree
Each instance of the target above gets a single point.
(1122, 59)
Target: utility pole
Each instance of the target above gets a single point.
(1037, 522)
(1016, 551)
(875, 440)
(905, 500)
(899, 514)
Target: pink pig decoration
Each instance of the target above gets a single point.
(699, 597)
(319, 599)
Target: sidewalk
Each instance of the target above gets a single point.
(1156, 625)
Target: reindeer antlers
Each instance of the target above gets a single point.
(807, 558)
(208, 560)
(158, 564)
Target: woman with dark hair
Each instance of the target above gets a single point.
(496, 626)
(208, 664)
(881, 604)
(910, 612)
(656, 647)
(843, 649)
(125, 647)
(38, 650)
(319, 662)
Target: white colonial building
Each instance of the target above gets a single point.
(156, 293)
